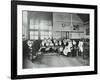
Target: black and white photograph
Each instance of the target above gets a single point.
(53, 39)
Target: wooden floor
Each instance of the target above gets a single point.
(45, 61)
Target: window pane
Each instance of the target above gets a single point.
(50, 27)
(35, 37)
(36, 22)
(42, 33)
(46, 33)
(31, 26)
(43, 25)
(31, 33)
(31, 22)
(31, 37)
(35, 32)
(36, 26)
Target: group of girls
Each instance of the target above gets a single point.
(65, 47)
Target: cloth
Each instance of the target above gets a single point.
(69, 46)
(80, 46)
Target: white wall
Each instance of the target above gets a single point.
(59, 19)
(69, 19)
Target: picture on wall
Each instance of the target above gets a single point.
(52, 39)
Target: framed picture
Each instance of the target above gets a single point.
(53, 39)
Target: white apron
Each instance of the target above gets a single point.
(80, 46)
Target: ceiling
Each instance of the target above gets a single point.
(84, 17)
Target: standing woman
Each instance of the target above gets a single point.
(66, 47)
(26, 49)
(42, 46)
(51, 46)
(35, 48)
(74, 50)
(69, 47)
(55, 48)
(47, 49)
(80, 45)
(60, 50)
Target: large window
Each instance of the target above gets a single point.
(45, 29)
(33, 35)
(45, 34)
(33, 29)
(40, 25)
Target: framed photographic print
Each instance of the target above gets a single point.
(53, 39)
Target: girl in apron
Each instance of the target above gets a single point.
(43, 46)
(80, 46)
(65, 47)
(74, 50)
(67, 50)
(60, 49)
(51, 46)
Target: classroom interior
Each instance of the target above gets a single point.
(38, 25)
